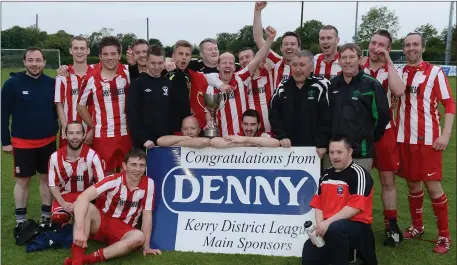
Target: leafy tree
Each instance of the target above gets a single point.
(155, 41)
(427, 30)
(377, 18)
(309, 35)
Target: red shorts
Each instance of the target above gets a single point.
(386, 153)
(420, 162)
(112, 150)
(68, 197)
(111, 229)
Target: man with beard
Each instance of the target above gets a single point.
(386, 153)
(326, 63)
(249, 136)
(68, 87)
(421, 138)
(136, 58)
(299, 107)
(28, 99)
(149, 102)
(72, 169)
(229, 115)
(189, 136)
(290, 41)
(358, 106)
(107, 88)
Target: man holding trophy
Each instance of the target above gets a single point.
(232, 103)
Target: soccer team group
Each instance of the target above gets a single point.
(337, 101)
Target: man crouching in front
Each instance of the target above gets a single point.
(343, 208)
(126, 196)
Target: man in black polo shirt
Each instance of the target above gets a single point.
(343, 210)
(298, 114)
(358, 106)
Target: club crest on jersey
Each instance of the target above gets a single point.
(165, 90)
(311, 94)
(231, 94)
(339, 190)
(284, 78)
(74, 91)
(355, 95)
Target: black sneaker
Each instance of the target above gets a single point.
(27, 233)
(18, 228)
(393, 234)
(45, 224)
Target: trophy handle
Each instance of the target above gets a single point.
(198, 99)
(224, 100)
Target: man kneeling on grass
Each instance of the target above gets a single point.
(123, 198)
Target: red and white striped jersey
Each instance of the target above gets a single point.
(109, 99)
(260, 91)
(67, 91)
(382, 75)
(326, 69)
(229, 116)
(281, 71)
(98, 66)
(418, 116)
(75, 176)
(118, 201)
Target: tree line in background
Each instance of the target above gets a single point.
(376, 18)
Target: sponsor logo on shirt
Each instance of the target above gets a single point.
(165, 90)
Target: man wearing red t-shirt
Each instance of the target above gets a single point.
(251, 134)
(68, 87)
(326, 63)
(235, 100)
(108, 89)
(421, 138)
(123, 198)
(386, 153)
(343, 210)
(188, 136)
(72, 169)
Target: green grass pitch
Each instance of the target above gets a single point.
(413, 252)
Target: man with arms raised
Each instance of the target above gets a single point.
(421, 138)
(300, 107)
(386, 153)
(326, 63)
(250, 136)
(107, 88)
(290, 42)
(72, 169)
(123, 198)
(229, 116)
(68, 87)
(343, 210)
(28, 99)
(187, 137)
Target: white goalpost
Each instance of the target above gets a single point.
(13, 58)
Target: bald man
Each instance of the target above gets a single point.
(187, 137)
(229, 117)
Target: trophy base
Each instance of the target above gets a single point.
(211, 133)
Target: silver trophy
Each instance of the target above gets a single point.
(212, 105)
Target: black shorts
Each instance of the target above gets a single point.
(27, 162)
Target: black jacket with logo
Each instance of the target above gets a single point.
(359, 110)
(147, 109)
(301, 115)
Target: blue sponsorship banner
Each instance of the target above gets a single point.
(236, 200)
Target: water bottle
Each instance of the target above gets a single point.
(311, 231)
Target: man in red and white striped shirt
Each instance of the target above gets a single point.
(68, 87)
(229, 116)
(386, 153)
(290, 41)
(107, 88)
(421, 138)
(122, 199)
(72, 169)
(260, 90)
(326, 63)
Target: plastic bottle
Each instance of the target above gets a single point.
(310, 229)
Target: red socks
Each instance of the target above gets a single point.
(416, 200)
(440, 208)
(77, 254)
(95, 257)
